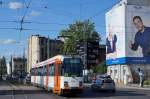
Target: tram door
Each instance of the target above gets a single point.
(57, 88)
(47, 75)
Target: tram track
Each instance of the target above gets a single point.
(17, 92)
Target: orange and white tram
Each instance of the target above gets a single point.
(60, 74)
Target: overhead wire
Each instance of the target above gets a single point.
(58, 10)
(102, 11)
(34, 22)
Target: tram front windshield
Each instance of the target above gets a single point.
(72, 67)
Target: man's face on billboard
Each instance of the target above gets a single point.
(138, 24)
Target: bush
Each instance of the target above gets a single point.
(101, 68)
(147, 82)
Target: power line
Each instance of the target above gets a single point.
(62, 11)
(22, 20)
(56, 11)
(35, 22)
(46, 10)
(90, 2)
(102, 11)
(25, 29)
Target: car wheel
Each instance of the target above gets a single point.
(113, 91)
(93, 89)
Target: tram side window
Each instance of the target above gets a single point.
(32, 71)
(51, 70)
(39, 71)
(35, 69)
(44, 70)
(50, 67)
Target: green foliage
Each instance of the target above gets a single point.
(147, 82)
(78, 32)
(101, 68)
(3, 68)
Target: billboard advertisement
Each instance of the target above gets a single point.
(115, 35)
(128, 35)
(137, 34)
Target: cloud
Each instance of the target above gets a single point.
(8, 41)
(15, 5)
(34, 13)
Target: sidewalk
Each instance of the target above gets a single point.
(135, 86)
(4, 86)
(87, 85)
(131, 86)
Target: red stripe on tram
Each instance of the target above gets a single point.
(47, 75)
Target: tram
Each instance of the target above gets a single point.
(60, 74)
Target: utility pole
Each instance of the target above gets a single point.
(1, 3)
(85, 53)
(0, 68)
(11, 65)
(48, 48)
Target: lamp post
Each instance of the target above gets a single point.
(0, 68)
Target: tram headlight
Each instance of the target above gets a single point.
(66, 84)
(80, 83)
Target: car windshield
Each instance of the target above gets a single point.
(72, 67)
(103, 76)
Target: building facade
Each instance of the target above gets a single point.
(3, 67)
(41, 48)
(101, 54)
(89, 52)
(19, 66)
(127, 43)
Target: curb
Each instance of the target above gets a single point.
(134, 87)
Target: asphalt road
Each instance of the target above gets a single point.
(9, 91)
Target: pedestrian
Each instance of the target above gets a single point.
(141, 75)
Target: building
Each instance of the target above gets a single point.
(125, 54)
(101, 54)
(41, 48)
(3, 67)
(89, 52)
(19, 66)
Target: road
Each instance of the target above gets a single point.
(10, 91)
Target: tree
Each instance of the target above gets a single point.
(101, 68)
(3, 68)
(78, 32)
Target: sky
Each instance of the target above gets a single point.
(47, 18)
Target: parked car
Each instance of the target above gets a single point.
(27, 80)
(103, 82)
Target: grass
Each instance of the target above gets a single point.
(147, 82)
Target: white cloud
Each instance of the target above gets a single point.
(15, 5)
(34, 13)
(8, 41)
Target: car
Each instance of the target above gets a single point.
(27, 80)
(103, 82)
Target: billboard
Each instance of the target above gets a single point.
(137, 34)
(128, 35)
(115, 35)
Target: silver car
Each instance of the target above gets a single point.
(103, 82)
